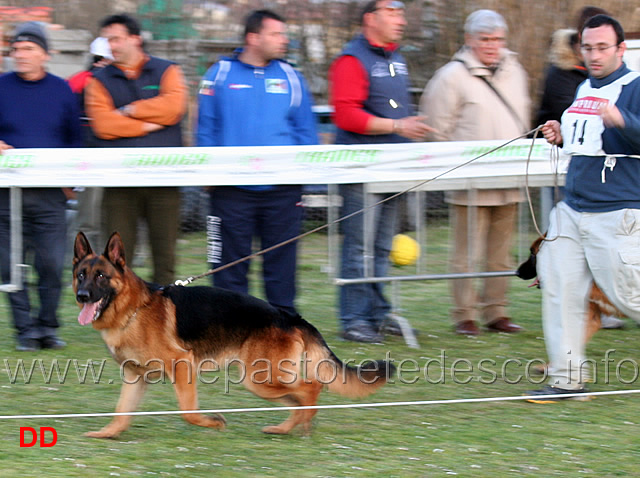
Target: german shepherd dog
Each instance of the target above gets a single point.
(599, 303)
(283, 357)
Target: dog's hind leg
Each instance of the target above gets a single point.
(594, 320)
(131, 393)
(184, 383)
(303, 394)
(291, 389)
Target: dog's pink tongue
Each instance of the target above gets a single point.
(86, 314)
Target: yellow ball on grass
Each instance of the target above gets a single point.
(404, 250)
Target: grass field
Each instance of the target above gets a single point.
(508, 438)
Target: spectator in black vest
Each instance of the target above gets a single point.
(139, 101)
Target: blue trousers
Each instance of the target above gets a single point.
(273, 215)
(44, 232)
(365, 302)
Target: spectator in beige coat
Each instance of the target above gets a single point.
(480, 95)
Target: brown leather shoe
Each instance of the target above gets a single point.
(504, 324)
(467, 327)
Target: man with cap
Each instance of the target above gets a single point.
(89, 216)
(100, 57)
(37, 110)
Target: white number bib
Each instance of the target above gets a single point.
(582, 126)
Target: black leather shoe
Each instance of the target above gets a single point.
(27, 345)
(391, 327)
(362, 334)
(52, 342)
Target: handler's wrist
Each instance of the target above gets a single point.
(397, 126)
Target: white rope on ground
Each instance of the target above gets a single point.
(327, 407)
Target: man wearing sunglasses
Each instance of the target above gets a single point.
(369, 90)
(595, 231)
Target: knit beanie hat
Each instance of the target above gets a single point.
(33, 32)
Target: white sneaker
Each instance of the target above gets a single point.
(611, 322)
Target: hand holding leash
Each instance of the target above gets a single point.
(551, 132)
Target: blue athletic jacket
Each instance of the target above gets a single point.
(244, 105)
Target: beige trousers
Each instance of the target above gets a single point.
(482, 243)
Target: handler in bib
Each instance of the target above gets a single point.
(594, 233)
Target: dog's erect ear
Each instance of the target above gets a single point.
(115, 250)
(81, 248)
(535, 246)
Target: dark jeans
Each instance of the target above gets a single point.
(273, 215)
(44, 232)
(365, 303)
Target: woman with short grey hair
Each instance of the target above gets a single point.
(482, 21)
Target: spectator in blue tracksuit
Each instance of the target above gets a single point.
(256, 99)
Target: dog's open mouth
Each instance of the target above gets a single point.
(91, 311)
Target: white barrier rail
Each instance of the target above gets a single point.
(322, 164)
(384, 167)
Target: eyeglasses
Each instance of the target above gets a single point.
(598, 48)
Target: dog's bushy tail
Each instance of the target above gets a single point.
(351, 379)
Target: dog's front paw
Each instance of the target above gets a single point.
(215, 421)
(275, 430)
(104, 433)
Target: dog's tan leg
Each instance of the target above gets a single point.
(594, 321)
(280, 389)
(131, 393)
(184, 383)
(305, 395)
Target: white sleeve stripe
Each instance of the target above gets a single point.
(223, 70)
(296, 87)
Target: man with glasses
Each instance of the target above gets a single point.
(369, 90)
(595, 232)
(481, 94)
